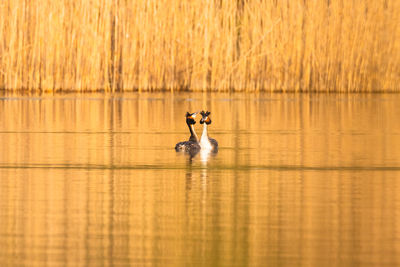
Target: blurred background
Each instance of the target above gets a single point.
(218, 45)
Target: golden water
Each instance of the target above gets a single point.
(308, 180)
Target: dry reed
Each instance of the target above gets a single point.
(220, 45)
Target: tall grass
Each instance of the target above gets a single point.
(221, 45)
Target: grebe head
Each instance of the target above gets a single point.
(205, 117)
(190, 117)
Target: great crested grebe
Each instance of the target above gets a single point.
(205, 141)
(191, 146)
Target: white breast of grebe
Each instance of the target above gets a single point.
(205, 142)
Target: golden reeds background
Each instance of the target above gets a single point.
(116, 45)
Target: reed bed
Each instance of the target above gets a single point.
(218, 45)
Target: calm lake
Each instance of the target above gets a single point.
(299, 180)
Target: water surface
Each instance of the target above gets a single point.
(305, 180)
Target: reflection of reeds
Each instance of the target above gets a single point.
(219, 45)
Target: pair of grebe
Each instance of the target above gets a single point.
(194, 144)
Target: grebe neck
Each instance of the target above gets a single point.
(204, 141)
(205, 133)
(193, 135)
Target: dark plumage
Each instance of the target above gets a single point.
(187, 146)
(214, 144)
